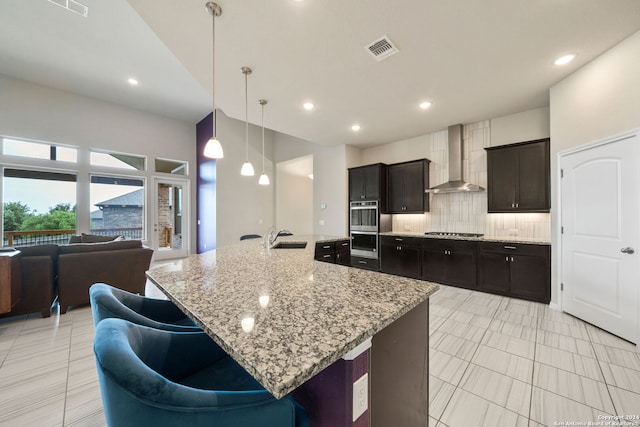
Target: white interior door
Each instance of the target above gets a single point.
(600, 252)
(170, 221)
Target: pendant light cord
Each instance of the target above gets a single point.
(246, 114)
(262, 119)
(213, 71)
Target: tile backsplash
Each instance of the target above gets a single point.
(467, 212)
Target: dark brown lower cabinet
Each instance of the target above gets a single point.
(515, 270)
(401, 256)
(365, 263)
(338, 252)
(450, 262)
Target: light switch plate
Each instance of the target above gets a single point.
(360, 396)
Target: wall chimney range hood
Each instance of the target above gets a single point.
(455, 184)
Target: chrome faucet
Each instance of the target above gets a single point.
(271, 235)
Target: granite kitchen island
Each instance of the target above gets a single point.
(287, 318)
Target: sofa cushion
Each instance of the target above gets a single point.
(101, 246)
(40, 250)
(96, 238)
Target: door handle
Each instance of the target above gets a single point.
(627, 250)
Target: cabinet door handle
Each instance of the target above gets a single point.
(326, 247)
(398, 240)
(345, 244)
(517, 205)
(362, 262)
(510, 247)
(511, 259)
(326, 256)
(506, 258)
(627, 250)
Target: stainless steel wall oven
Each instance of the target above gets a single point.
(364, 244)
(364, 216)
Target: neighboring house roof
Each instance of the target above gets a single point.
(133, 199)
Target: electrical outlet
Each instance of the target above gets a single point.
(360, 396)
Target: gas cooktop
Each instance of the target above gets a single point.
(452, 234)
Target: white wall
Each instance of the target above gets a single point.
(599, 100)
(330, 180)
(41, 113)
(294, 201)
(525, 126)
(242, 205)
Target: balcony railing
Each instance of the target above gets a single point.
(43, 237)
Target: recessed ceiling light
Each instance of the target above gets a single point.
(355, 128)
(564, 59)
(308, 105)
(132, 81)
(424, 105)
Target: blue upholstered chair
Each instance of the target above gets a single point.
(107, 301)
(163, 378)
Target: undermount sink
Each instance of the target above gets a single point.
(290, 245)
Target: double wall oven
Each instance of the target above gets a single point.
(364, 220)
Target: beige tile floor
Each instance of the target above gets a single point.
(495, 361)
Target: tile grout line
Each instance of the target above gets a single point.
(533, 368)
(439, 420)
(606, 384)
(13, 342)
(66, 388)
(457, 386)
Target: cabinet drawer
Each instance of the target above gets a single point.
(514, 248)
(449, 244)
(366, 263)
(325, 248)
(343, 245)
(401, 240)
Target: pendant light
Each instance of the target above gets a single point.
(213, 148)
(264, 179)
(247, 167)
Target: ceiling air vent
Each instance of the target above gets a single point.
(381, 48)
(72, 6)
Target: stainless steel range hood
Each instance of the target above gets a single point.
(455, 184)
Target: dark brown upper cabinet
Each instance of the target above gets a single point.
(406, 183)
(367, 183)
(518, 177)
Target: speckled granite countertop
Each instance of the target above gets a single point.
(513, 239)
(306, 314)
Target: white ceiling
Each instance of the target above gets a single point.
(472, 59)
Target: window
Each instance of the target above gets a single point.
(171, 166)
(117, 206)
(116, 160)
(38, 207)
(39, 150)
